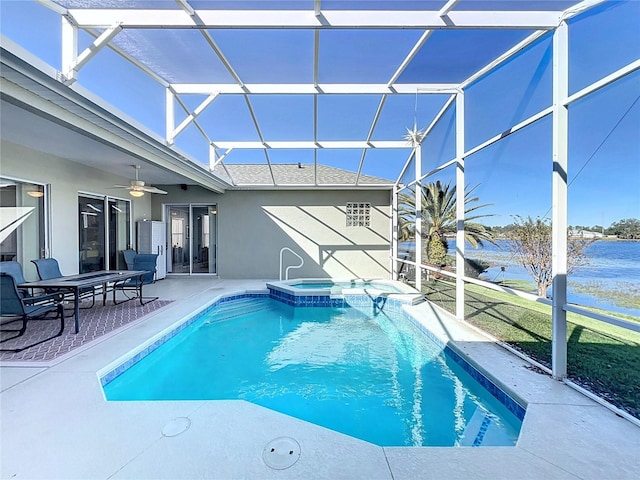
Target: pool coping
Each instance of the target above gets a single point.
(285, 289)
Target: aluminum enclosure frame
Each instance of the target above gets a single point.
(112, 21)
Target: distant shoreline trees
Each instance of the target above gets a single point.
(628, 228)
(625, 229)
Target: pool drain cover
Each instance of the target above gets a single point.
(176, 427)
(281, 453)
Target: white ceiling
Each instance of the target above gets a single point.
(25, 128)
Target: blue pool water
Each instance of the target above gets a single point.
(374, 377)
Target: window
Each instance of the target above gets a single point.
(358, 214)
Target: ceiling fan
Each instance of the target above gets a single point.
(137, 188)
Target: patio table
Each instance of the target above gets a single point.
(75, 283)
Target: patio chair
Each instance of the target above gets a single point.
(15, 270)
(17, 308)
(142, 261)
(129, 256)
(48, 268)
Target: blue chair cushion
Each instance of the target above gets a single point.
(129, 257)
(48, 268)
(15, 270)
(145, 261)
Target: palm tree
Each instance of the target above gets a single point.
(439, 219)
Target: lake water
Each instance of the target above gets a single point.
(613, 266)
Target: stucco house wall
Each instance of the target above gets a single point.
(254, 225)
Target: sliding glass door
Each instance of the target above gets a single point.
(204, 233)
(92, 234)
(119, 221)
(104, 232)
(179, 233)
(193, 238)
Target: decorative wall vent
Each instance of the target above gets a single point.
(358, 214)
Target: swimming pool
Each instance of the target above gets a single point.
(360, 371)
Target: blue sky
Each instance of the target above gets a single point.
(513, 175)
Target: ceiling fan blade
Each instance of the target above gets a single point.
(150, 189)
(139, 185)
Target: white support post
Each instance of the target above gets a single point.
(316, 58)
(460, 255)
(559, 193)
(69, 50)
(418, 202)
(394, 233)
(213, 157)
(170, 116)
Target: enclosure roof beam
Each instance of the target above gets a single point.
(303, 19)
(309, 145)
(312, 88)
(370, 135)
(414, 51)
(512, 52)
(308, 19)
(444, 11)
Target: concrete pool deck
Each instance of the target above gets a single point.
(55, 422)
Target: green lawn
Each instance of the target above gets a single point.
(601, 357)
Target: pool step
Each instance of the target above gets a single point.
(236, 308)
(482, 430)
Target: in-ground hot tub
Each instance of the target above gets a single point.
(329, 287)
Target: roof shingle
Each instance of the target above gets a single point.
(298, 174)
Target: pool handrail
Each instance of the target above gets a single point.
(286, 275)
